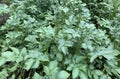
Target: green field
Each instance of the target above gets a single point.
(59, 39)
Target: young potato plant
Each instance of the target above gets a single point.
(60, 39)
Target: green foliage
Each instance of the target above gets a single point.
(60, 39)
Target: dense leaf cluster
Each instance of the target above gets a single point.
(60, 39)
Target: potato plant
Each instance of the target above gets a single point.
(60, 39)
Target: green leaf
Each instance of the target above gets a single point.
(31, 38)
(52, 65)
(71, 66)
(46, 70)
(103, 77)
(51, 69)
(63, 75)
(108, 53)
(23, 51)
(19, 59)
(4, 8)
(84, 45)
(28, 64)
(64, 50)
(66, 9)
(10, 56)
(4, 74)
(118, 70)
(7, 54)
(36, 64)
(73, 32)
(98, 72)
(37, 76)
(93, 57)
(95, 76)
(75, 73)
(2, 61)
(112, 63)
(83, 75)
(48, 32)
(59, 56)
(13, 76)
(13, 68)
(15, 50)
